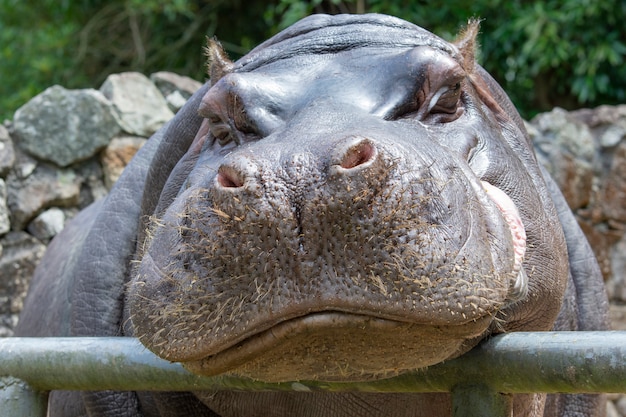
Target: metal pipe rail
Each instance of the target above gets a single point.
(566, 362)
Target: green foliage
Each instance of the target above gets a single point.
(31, 51)
(569, 53)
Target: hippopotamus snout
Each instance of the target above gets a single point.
(302, 191)
(293, 192)
(351, 156)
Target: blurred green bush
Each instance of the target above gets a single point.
(567, 53)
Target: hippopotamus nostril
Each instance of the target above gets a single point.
(229, 177)
(359, 154)
(355, 153)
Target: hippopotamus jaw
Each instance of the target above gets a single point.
(337, 346)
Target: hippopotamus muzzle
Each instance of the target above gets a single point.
(347, 220)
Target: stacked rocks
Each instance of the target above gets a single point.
(63, 150)
(585, 151)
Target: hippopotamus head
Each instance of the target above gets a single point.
(361, 200)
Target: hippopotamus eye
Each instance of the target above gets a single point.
(222, 134)
(439, 100)
(219, 129)
(446, 100)
(227, 115)
(242, 122)
(235, 128)
(238, 127)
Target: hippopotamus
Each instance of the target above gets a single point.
(354, 199)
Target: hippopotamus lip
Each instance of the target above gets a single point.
(510, 214)
(513, 219)
(358, 329)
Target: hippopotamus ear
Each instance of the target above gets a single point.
(218, 63)
(466, 43)
(486, 87)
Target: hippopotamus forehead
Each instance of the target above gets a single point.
(375, 67)
(374, 79)
(324, 34)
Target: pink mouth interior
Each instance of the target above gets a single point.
(511, 216)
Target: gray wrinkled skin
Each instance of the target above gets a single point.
(346, 202)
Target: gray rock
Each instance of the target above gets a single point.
(65, 126)
(44, 187)
(601, 115)
(24, 166)
(140, 106)
(175, 101)
(558, 127)
(7, 324)
(117, 155)
(47, 224)
(614, 186)
(616, 287)
(617, 315)
(612, 136)
(91, 177)
(21, 253)
(611, 410)
(620, 405)
(5, 223)
(7, 154)
(169, 82)
(175, 88)
(566, 147)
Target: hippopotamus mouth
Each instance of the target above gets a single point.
(298, 312)
(342, 234)
(354, 342)
(353, 346)
(351, 340)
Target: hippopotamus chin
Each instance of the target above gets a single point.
(354, 199)
(351, 219)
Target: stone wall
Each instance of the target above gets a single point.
(66, 148)
(585, 151)
(63, 150)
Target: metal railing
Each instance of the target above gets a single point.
(550, 362)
